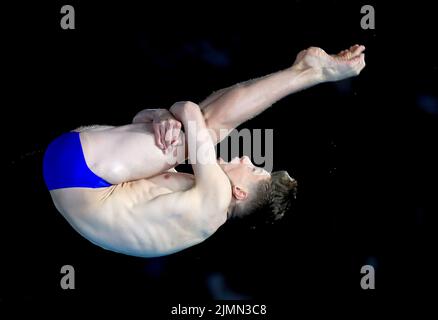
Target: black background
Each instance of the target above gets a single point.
(362, 149)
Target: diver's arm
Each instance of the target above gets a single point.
(211, 183)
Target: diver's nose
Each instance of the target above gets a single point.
(245, 160)
(235, 160)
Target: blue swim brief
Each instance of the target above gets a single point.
(64, 165)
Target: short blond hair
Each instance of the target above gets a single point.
(272, 198)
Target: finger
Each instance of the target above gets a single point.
(176, 133)
(168, 135)
(175, 138)
(157, 135)
(163, 133)
(178, 140)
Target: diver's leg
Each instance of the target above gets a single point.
(232, 106)
(127, 153)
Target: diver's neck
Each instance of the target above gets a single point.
(231, 208)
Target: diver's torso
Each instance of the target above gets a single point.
(122, 217)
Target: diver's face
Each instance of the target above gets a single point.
(242, 172)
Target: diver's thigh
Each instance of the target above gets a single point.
(128, 153)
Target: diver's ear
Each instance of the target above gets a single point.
(239, 193)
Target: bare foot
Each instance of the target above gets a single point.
(345, 64)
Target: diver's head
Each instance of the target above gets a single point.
(255, 189)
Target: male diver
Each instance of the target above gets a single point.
(117, 187)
